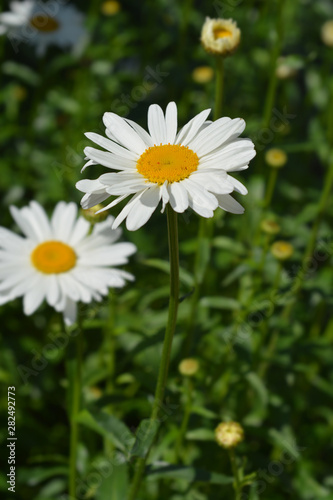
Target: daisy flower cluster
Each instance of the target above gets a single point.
(43, 24)
(187, 169)
(59, 260)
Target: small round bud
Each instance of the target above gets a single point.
(110, 8)
(188, 367)
(270, 226)
(284, 70)
(20, 92)
(90, 214)
(229, 434)
(203, 74)
(282, 250)
(220, 36)
(276, 158)
(327, 33)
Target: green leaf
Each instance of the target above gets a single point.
(204, 412)
(229, 244)
(201, 434)
(108, 426)
(220, 303)
(260, 402)
(190, 474)
(35, 475)
(144, 437)
(164, 266)
(21, 71)
(114, 487)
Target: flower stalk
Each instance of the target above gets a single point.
(74, 408)
(169, 333)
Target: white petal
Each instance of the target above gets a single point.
(178, 197)
(156, 125)
(238, 186)
(141, 132)
(216, 134)
(171, 122)
(80, 230)
(143, 208)
(70, 312)
(109, 160)
(189, 131)
(52, 289)
(215, 182)
(63, 220)
(200, 195)
(114, 255)
(203, 211)
(23, 223)
(125, 211)
(91, 199)
(10, 240)
(124, 133)
(111, 146)
(227, 203)
(34, 297)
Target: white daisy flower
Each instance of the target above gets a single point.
(58, 260)
(43, 24)
(188, 169)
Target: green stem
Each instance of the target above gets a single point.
(170, 329)
(75, 394)
(187, 413)
(271, 92)
(237, 483)
(219, 87)
(270, 186)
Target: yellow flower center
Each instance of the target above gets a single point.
(44, 23)
(167, 162)
(53, 257)
(221, 33)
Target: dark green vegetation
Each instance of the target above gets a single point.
(261, 332)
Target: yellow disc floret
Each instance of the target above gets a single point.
(221, 33)
(171, 163)
(44, 23)
(53, 257)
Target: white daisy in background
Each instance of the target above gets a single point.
(58, 260)
(43, 24)
(188, 169)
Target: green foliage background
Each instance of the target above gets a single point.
(272, 375)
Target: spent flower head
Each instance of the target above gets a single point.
(91, 215)
(282, 250)
(276, 158)
(188, 169)
(58, 260)
(220, 36)
(269, 226)
(110, 7)
(327, 33)
(188, 367)
(229, 434)
(203, 74)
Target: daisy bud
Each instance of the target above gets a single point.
(110, 8)
(188, 367)
(220, 36)
(90, 214)
(270, 226)
(282, 250)
(203, 74)
(229, 434)
(284, 70)
(276, 158)
(327, 33)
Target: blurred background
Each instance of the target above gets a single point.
(263, 330)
